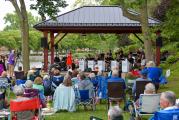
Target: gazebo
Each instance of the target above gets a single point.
(88, 19)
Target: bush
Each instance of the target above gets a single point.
(171, 59)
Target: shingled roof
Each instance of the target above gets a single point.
(88, 17)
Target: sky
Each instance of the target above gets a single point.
(6, 7)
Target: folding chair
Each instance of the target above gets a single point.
(148, 104)
(166, 115)
(115, 91)
(140, 87)
(56, 81)
(23, 108)
(85, 99)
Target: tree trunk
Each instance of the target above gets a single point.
(22, 14)
(145, 31)
(25, 37)
(25, 45)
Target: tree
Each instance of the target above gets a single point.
(142, 18)
(13, 23)
(87, 2)
(46, 6)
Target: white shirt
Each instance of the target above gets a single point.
(170, 108)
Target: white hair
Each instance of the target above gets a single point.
(170, 97)
(92, 75)
(18, 90)
(150, 64)
(150, 88)
(115, 113)
(115, 73)
(28, 84)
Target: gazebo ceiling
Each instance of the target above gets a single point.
(94, 19)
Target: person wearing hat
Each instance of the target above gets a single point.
(143, 77)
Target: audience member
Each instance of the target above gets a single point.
(85, 84)
(154, 73)
(24, 115)
(168, 100)
(115, 113)
(143, 77)
(64, 96)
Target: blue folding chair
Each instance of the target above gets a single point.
(166, 115)
(56, 81)
(85, 99)
(102, 89)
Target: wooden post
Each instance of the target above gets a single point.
(157, 55)
(45, 53)
(52, 38)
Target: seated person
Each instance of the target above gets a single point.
(143, 77)
(154, 73)
(64, 96)
(19, 74)
(115, 78)
(57, 79)
(4, 77)
(168, 106)
(167, 100)
(24, 115)
(149, 89)
(38, 84)
(93, 79)
(115, 113)
(85, 84)
(29, 91)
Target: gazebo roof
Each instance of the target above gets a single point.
(94, 19)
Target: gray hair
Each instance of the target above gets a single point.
(150, 88)
(28, 84)
(115, 73)
(115, 113)
(170, 97)
(18, 90)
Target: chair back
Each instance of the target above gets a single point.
(19, 75)
(149, 103)
(115, 90)
(140, 87)
(167, 115)
(56, 81)
(19, 82)
(84, 95)
(18, 106)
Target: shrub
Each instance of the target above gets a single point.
(171, 59)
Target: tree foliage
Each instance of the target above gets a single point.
(13, 22)
(48, 7)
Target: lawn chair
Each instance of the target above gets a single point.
(85, 99)
(56, 81)
(166, 115)
(116, 92)
(148, 105)
(140, 87)
(22, 109)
